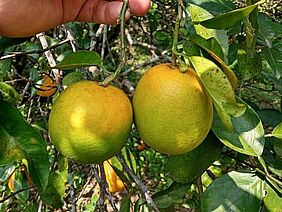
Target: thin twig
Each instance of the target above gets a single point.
(14, 194)
(71, 38)
(49, 56)
(200, 189)
(100, 203)
(95, 37)
(258, 170)
(103, 186)
(72, 191)
(37, 51)
(123, 50)
(142, 187)
(104, 42)
(176, 31)
(148, 62)
(40, 206)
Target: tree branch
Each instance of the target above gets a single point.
(142, 187)
(14, 194)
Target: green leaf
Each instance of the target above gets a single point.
(276, 167)
(9, 93)
(214, 6)
(21, 183)
(125, 204)
(18, 140)
(268, 30)
(55, 190)
(117, 166)
(247, 136)
(270, 117)
(273, 58)
(5, 67)
(229, 19)
(6, 42)
(129, 159)
(272, 202)
(71, 78)
(79, 59)
(234, 191)
(199, 14)
(277, 132)
(6, 171)
(193, 164)
(172, 194)
(249, 65)
(219, 88)
(277, 144)
(211, 49)
(210, 45)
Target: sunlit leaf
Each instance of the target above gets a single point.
(229, 19)
(129, 159)
(79, 59)
(21, 141)
(277, 132)
(199, 14)
(188, 166)
(234, 191)
(9, 93)
(272, 202)
(214, 6)
(210, 44)
(247, 136)
(206, 46)
(219, 88)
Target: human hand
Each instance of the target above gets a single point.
(25, 18)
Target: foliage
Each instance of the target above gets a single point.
(236, 49)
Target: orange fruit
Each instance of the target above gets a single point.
(90, 123)
(46, 86)
(172, 109)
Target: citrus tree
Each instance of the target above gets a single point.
(179, 110)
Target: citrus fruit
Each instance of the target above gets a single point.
(46, 86)
(114, 182)
(173, 111)
(90, 123)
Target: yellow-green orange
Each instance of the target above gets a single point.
(90, 123)
(173, 111)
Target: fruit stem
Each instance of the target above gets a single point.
(252, 29)
(176, 31)
(122, 41)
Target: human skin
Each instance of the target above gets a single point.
(22, 18)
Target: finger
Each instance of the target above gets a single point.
(101, 12)
(139, 7)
